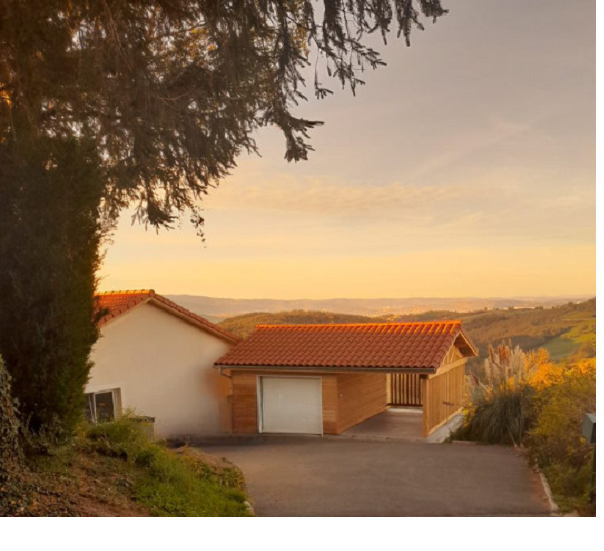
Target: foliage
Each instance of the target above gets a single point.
(168, 484)
(501, 416)
(104, 105)
(539, 404)
(556, 442)
(49, 238)
(12, 491)
(170, 91)
(10, 446)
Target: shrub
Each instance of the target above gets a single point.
(124, 438)
(500, 416)
(168, 484)
(10, 446)
(12, 490)
(556, 442)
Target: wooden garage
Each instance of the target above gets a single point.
(324, 379)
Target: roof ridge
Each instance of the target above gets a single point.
(127, 292)
(360, 324)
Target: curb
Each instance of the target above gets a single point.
(548, 492)
(250, 508)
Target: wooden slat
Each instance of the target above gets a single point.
(443, 396)
(405, 389)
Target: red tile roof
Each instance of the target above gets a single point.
(371, 345)
(119, 302)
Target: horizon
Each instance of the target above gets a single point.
(465, 167)
(410, 297)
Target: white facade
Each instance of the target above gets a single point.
(163, 367)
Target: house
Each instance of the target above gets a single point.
(157, 358)
(323, 379)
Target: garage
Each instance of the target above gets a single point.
(324, 379)
(291, 405)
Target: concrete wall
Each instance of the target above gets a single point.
(163, 367)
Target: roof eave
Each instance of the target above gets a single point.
(209, 328)
(330, 369)
(469, 344)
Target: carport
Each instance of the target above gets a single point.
(324, 379)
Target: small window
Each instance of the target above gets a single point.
(102, 406)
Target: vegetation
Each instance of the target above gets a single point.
(499, 408)
(105, 105)
(49, 240)
(556, 442)
(114, 469)
(526, 399)
(11, 456)
(244, 325)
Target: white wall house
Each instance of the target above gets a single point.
(157, 358)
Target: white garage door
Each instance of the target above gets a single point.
(291, 405)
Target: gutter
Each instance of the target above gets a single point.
(327, 369)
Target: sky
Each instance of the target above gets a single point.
(465, 167)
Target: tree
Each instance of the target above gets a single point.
(110, 103)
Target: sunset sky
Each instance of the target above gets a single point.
(466, 167)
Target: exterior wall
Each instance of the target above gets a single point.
(330, 404)
(164, 368)
(443, 392)
(245, 402)
(348, 399)
(360, 396)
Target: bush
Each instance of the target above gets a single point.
(167, 483)
(10, 446)
(501, 416)
(556, 442)
(12, 493)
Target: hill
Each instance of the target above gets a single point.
(217, 309)
(243, 325)
(567, 330)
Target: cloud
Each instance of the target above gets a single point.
(310, 195)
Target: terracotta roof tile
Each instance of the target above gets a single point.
(117, 303)
(377, 345)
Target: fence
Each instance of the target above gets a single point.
(442, 396)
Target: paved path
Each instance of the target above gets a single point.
(330, 477)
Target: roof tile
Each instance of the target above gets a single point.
(117, 303)
(377, 345)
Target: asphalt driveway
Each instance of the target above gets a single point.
(331, 477)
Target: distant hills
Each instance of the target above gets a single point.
(216, 309)
(567, 330)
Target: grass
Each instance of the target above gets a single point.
(164, 481)
(560, 347)
(115, 469)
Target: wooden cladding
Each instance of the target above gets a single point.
(245, 410)
(360, 396)
(348, 399)
(442, 395)
(405, 389)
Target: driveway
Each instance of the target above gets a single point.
(329, 477)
